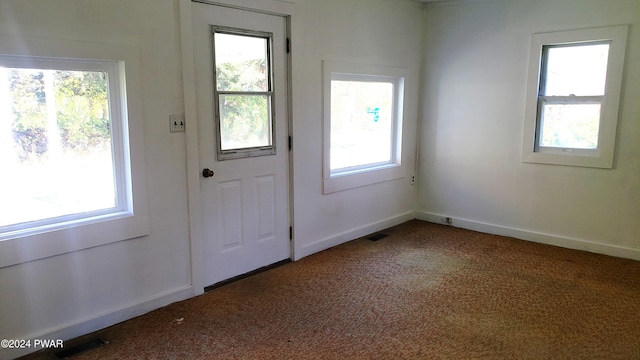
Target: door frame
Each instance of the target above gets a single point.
(193, 165)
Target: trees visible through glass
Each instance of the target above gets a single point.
(55, 144)
(243, 91)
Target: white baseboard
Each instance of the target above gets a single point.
(550, 239)
(102, 320)
(352, 234)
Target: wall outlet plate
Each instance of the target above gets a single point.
(176, 123)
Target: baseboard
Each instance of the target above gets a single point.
(352, 234)
(102, 320)
(550, 239)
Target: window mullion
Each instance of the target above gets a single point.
(571, 99)
(247, 93)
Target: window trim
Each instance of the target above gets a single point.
(368, 174)
(603, 155)
(99, 230)
(241, 153)
(123, 206)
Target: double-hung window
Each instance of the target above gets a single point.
(243, 93)
(362, 124)
(573, 94)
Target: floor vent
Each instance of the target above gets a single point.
(377, 236)
(75, 350)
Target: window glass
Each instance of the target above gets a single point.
(571, 92)
(243, 93)
(570, 125)
(56, 151)
(244, 121)
(241, 63)
(361, 123)
(576, 70)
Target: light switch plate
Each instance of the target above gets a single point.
(176, 122)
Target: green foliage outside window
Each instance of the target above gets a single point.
(82, 111)
(244, 118)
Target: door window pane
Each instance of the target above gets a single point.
(244, 121)
(243, 93)
(241, 63)
(55, 144)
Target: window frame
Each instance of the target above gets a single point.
(367, 174)
(602, 156)
(122, 185)
(240, 153)
(71, 234)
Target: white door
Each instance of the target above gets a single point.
(240, 68)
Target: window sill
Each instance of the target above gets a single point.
(358, 178)
(569, 159)
(22, 248)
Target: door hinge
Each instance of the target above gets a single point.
(290, 142)
(290, 232)
(288, 45)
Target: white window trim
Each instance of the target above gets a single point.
(602, 157)
(343, 179)
(71, 234)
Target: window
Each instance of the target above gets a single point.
(244, 93)
(363, 122)
(573, 94)
(71, 147)
(61, 141)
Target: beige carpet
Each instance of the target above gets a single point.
(425, 292)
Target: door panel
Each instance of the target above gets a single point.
(245, 204)
(231, 210)
(265, 200)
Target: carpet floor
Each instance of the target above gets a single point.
(426, 291)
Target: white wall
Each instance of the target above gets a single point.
(378, 32)
(72, 294)
(471, 138)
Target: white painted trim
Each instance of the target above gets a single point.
(192, 151)
(282, 8)
(352, 234)
(543, 238)
(102, 320)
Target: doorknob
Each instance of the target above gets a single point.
(207, 173)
